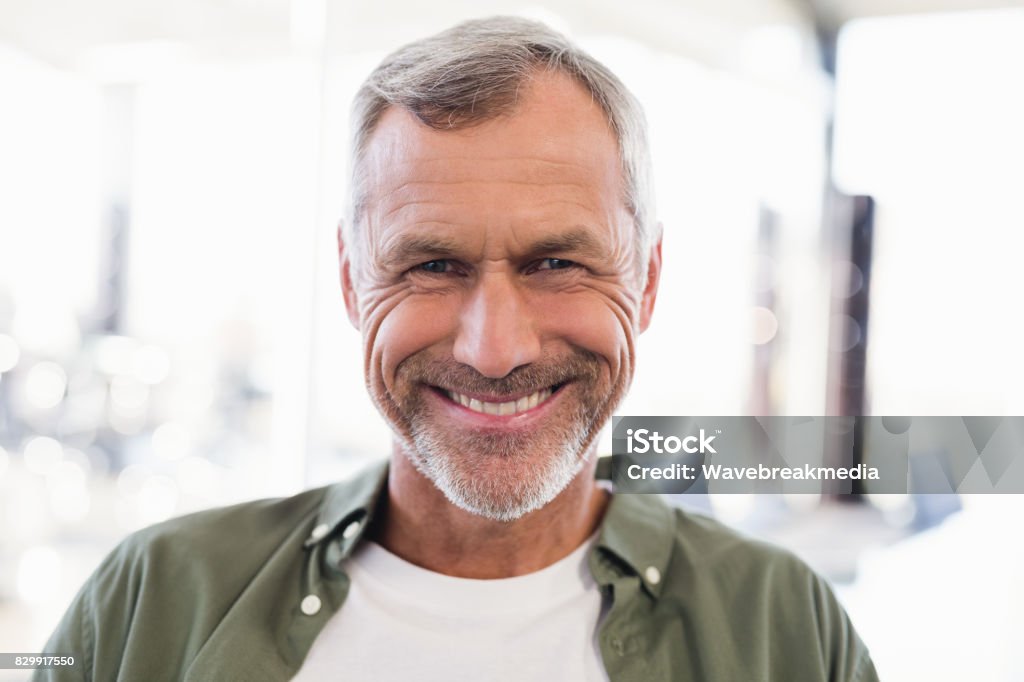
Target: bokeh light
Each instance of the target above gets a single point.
(128, 394)
(114, 354)
(130, 480)
(45, 385)
(848, 333)
(171, 441)
(847, 279)
(42, 454)
(765, 325)
(150, 364)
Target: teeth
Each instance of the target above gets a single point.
(501, 409)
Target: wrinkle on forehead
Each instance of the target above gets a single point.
(557, 132)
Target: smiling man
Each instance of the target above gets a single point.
(500, 261)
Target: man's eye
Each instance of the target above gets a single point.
(555, 264)
(436, 267)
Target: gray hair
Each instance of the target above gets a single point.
(472, 73)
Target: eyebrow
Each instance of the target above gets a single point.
(578, 240)
(420, 246)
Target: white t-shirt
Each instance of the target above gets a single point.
(401, 622)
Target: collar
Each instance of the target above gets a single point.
(347, 509)
(636, 535)
(636, 538)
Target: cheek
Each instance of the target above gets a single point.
(414, 324)
(595, 323)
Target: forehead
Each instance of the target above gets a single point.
(555, 153)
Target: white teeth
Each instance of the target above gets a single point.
(506, 408)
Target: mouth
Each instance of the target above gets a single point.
(500, 405)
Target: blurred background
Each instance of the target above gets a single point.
(172, 335)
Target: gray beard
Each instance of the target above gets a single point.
(524, 485)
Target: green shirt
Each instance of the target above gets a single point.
(220, 596)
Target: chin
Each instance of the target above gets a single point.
(499, 483)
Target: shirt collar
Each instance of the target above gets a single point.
(637, 529)
(348, 507)
(637, 532)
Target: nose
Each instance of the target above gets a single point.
(496, 329)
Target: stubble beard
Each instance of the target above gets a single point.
(496, 475)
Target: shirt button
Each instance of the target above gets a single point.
(351, 530)
(653, 575)
(319, 532)
(310, 605)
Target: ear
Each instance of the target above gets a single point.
(651, 285)
(347, 289)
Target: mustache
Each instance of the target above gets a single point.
(544, 373)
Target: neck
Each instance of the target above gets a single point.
(417, 523)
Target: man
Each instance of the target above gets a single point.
(499, 260)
